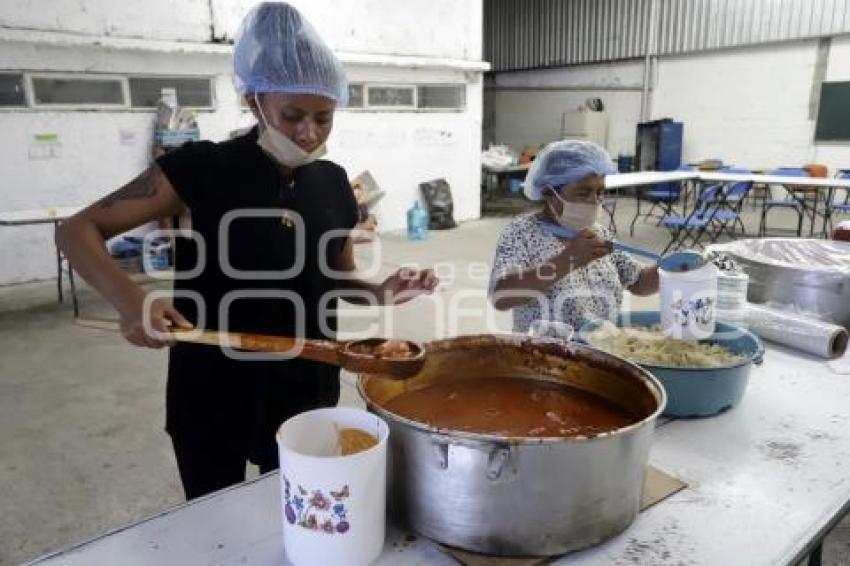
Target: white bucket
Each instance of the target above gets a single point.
(688, 302)
(333, 507)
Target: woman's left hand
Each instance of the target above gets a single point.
(406, 284)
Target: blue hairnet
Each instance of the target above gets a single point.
(277, 50)
(565, 162)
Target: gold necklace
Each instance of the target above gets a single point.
(288, 216)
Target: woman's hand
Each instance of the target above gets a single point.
(647, 283)
(406, 284)
(586, 247)
(162, 317)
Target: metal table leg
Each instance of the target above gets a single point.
(814, 215)
(827, 212)
(73, 291)
(71, 282)
(58, 264)
(637, 211)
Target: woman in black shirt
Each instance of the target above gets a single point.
(269, 253)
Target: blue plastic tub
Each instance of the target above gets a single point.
(705, 391)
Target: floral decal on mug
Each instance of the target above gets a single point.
(700, 310)
(314, 510)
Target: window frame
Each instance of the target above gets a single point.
(210, 79)
(31, 105)
(393, 107)
(24, 102)
(407, 109)
(362, 96)
(34, 104)
(461, 86)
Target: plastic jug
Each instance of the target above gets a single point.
(688, 302)
(417, 222)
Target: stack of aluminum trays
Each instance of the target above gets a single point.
(732, 298)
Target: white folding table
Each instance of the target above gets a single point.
(766, 481)
(53, 216)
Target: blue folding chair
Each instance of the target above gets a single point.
(730, 203)
(838, 207)
(687, 231)
(790, 202)
(663, 196)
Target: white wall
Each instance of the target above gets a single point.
(403, 149)
(432, 28)
(186, 20)
(400, 149)
(93, 159)
(748, 106)
(528, 105)
(533, 116)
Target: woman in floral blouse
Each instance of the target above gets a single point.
(544, 277)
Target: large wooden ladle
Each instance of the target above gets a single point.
(360, 356)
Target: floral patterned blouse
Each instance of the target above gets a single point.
(595, 290)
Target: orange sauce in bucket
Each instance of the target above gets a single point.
(354, 440)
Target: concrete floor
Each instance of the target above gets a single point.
(81, 411)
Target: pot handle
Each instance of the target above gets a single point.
(442, 450)
(758, 356)
(497, 460)
(498, 454)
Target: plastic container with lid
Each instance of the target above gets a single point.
(688, 302)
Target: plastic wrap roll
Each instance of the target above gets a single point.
(796, 331)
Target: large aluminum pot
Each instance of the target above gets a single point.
(811, 275)
(519, 496)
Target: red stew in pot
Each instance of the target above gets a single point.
(510, 407)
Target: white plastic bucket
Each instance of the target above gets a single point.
(333, 507)
(689, 302)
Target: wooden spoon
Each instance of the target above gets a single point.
(397, 359)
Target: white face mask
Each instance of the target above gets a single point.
(284, 150)
(576, 215)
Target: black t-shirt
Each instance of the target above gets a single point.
(249, 218)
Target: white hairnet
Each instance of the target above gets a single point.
(564, 162)
(277, 50)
